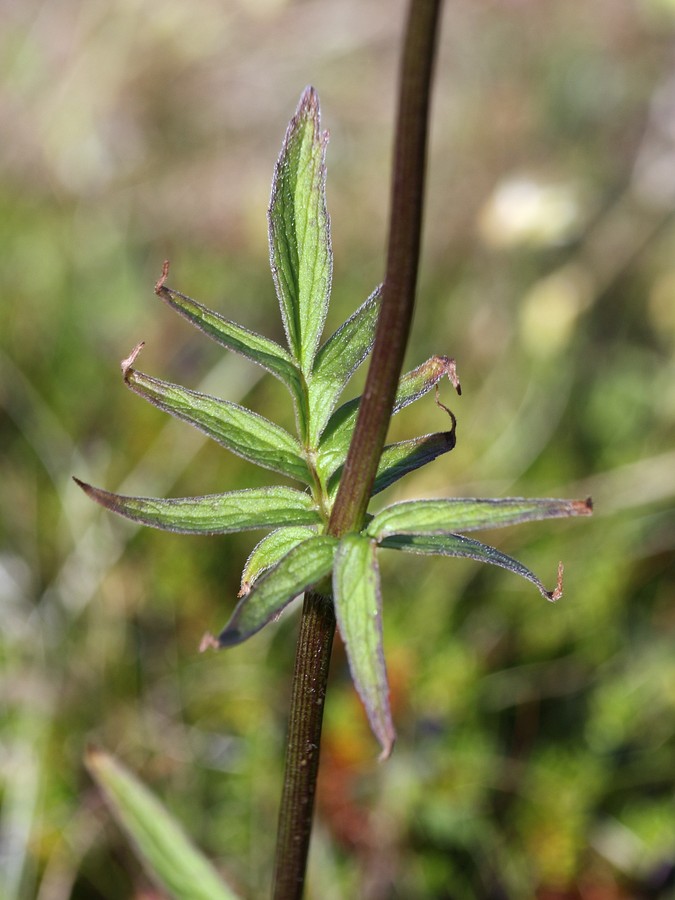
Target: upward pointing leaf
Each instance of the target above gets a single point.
(253, 346)
(299, 232)
(170, 857)
(338, 359)
(243, 432)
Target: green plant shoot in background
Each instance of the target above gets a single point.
(301, 552)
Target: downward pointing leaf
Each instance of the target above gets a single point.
(301, 568)
(358, 609)
(458, 545)
(299, 231)
(170, 857)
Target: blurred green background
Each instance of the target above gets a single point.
(536, 750)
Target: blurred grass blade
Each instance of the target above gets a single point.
(439, 516)
(337, 435)
(297, 571)
(214, 513)
(238, 429)
(299, 231)
(338, 359)
(258, 349)
(403, 457)
(169, 856)
(269, 551)
(358, 610)
(457, 545)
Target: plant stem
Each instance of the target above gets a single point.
(310, 677)
(398, 295)
(317, 626)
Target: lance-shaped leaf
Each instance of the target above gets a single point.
(270, 550)
(298, 570)
(439, 516)
(299, 232)
(458, 545)
(358, 610)
(338, 359)
(238, 429)
(170, 857)
(337, 435)
(244, 510)
(399, 459)
(255, 347)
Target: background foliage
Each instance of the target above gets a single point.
(535, 742)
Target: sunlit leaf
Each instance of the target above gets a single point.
(238, 429)
(458, 514)
(337, 435)
(214, 513)
(338, 359)
(255, 347)
(299, 231)
(458, 545)
(298, 570)
(170, 857)
(269, 551)
(358, 610)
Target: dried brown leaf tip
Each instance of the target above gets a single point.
(162, 279)
(127, 362)
(208, 642)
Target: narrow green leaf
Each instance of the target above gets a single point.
(299, 232)
(457, 545)
(297, 571)
(358, 610)
(238, 429)
(214, 513)
(440, 516)
(255, 347)
(337, 435)
(171, 859)
(338, 359)
(269, 551)
(399, 459)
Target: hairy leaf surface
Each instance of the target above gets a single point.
(238, 429)
(269, 551)
(338, 359)
(358, 610)
(213, 513)
(253, 346)
(297, 571)
(457, 514)
(299, 232)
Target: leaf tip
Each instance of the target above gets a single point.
(127, 362)
(557, 592)
(159, 284)
(387, 746)
(208, 642)
(229, 637)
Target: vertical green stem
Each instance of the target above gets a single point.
(318, 621)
